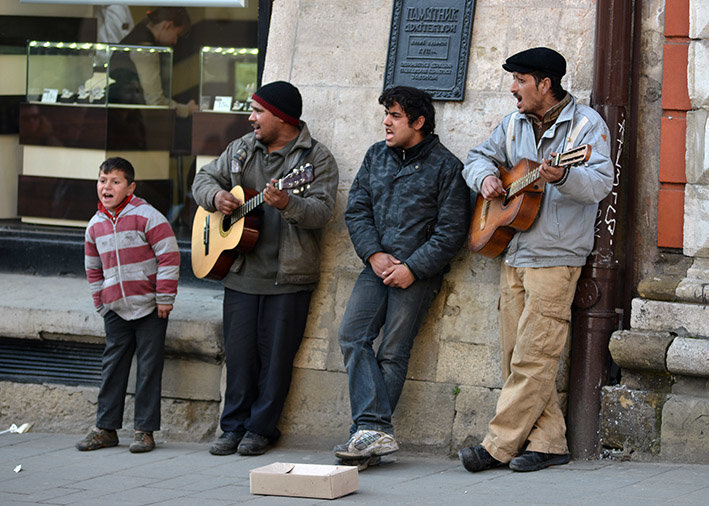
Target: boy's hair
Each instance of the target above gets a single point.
(414, 102)
(178, 16)
(118, 163)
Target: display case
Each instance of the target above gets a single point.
(228, 78)
(97, 74)
(86, 102)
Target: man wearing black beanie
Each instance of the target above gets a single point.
(267, 290)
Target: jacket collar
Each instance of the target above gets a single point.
(113, 217)
(415, 152)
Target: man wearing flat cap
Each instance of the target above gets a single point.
(541, 265)
(267, 290)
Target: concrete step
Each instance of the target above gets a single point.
(60, 308)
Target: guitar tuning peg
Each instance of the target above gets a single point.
(296, 191)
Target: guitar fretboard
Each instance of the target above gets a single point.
(248, 206)
(572, 157)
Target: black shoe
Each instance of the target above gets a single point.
(534, 461)
(227, 443)
(253, 444)
(477, 458)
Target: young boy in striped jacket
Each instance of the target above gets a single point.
(132, 264)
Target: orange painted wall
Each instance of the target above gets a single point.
(673, 128)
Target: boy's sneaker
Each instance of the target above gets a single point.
(142, 442)
(365, 443)
(98, 438)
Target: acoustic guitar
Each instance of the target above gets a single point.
(496, 221)
(218, 238)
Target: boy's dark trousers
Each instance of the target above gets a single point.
(145, 337)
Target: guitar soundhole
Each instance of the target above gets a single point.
(226, 223)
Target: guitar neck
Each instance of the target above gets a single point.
(567, 159)
(248, 206)
(523, 182)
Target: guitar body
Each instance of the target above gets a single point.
(216, 241)
(495, 222)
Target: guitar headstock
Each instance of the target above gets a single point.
(574, 156)
(297, 177)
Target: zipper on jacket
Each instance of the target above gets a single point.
(118, 263)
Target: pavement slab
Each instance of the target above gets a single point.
(178, 473)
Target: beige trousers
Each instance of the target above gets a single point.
(534, 315)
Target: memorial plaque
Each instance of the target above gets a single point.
(429, 43)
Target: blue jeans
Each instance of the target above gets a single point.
(376, 380)
(146, 338)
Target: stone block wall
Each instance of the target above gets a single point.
(696, 212)
(335, 52)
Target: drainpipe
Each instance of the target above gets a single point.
(594, 312)
(264, 24)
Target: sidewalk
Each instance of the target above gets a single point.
(54, 472)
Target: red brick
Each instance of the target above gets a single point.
(670, 216)
(676, 18)
(673, 146)
(674, 77)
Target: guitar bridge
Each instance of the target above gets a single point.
(483, 214)
(205, 238)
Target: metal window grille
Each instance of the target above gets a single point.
(40, 361)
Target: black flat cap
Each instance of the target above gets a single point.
(542, 59)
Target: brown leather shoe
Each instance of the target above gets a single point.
(142, 442)
(98, 438)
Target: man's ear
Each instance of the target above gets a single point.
(544, 85)
(418, 123)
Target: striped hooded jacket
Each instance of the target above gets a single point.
(131, 260)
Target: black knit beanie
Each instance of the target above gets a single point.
(282, 99)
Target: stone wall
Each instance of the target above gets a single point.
(661, 407)
(335, 52)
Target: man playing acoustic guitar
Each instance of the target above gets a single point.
(267, 290)
(541, 264)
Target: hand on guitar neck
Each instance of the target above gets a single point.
(492, 185)
(226, 203)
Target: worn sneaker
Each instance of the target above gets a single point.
(477, 458)
(365, 443)
(98, 438)
(253, 444)
(344, 446)
(142, 442)
(534, 461)
(227, 443)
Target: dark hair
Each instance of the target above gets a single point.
(556, 89)
(118, 163)
(414, 103)
(178, 16)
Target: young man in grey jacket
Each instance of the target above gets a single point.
(267, 290)
(407, 215)
(541, 265)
